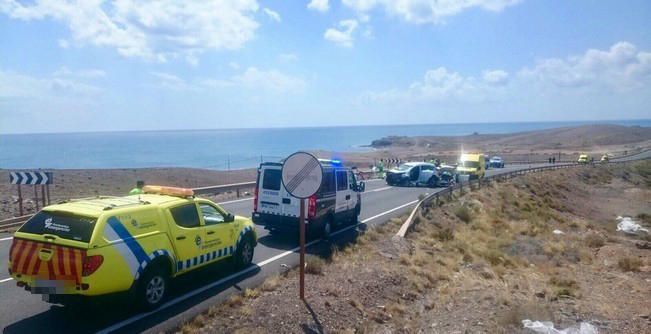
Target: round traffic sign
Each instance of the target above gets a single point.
(302, 174)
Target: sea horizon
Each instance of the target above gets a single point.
(227, 149)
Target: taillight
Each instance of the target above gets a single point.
(91, 264)
(311, 206)
(255, 199)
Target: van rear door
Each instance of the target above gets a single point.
(272, 196)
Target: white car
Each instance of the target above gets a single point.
(414, 174)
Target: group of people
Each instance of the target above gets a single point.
(552, 160)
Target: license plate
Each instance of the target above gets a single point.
(51, 287)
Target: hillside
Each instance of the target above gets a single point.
(567, 138)
(540, 247)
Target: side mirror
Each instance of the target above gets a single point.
(361, 186)
(229, 218)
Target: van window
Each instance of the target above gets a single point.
(271, 179)
(342, 180)
(351, 180)
(62, 224)
(328, 182)
(186, 215)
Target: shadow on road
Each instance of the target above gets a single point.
(98, 314)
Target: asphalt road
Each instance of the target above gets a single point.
(22, 312)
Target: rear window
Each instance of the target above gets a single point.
(271, 179)
(63, 225)
(328, 182)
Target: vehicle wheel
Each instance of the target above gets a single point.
(153, 287)
(244, 254)
(326, 229)
(433, 182)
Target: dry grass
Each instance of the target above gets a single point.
(314, 265)
(271, 283)
(630, 264)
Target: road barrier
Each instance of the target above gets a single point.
(426, 202)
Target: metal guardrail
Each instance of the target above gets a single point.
(17, 221)
(435, 197)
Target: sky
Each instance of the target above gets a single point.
(69, 66)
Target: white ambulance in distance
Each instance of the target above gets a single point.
(338, 201)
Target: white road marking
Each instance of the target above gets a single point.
(4, 239)
(237, 200)
(379, 189)
(6, 280)
(263, 263)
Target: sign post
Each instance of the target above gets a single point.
(33, 178)
(301, 175)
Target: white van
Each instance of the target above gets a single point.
(337, 202)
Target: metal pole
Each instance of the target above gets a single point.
(36, 197)
(43, 195)
(301, 223)
(20, 200)
(47, 187)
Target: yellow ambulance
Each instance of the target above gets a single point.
(136, 244)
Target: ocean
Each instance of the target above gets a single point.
(221, 149)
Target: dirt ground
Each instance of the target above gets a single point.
(481, 263)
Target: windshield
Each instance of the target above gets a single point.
(469, 164)
(62, 224)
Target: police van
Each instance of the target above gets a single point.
(134, 244)
(338, 201)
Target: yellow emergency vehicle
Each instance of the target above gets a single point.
(472, 164)
(135, 244)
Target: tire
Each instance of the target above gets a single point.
(326, 229)
(244, 253)
(153, 287)
(433, 182)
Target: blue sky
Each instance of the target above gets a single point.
(134, 65)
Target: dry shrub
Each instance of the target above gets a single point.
(629, 263)
(251, 293)
(235, 301)
(463, 212)
(271, 283)
(518, 312)
(314, 265)
(594, 240)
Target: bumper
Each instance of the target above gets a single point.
(280, 223)
(393, 178)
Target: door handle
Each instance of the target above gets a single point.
(211, 232)
(347, 197)
(180, 237)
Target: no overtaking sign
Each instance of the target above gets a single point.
(302, 174)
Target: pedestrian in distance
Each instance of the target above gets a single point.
(554, 160)
(138, 189)
(550, 160)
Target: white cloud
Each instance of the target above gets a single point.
(287, 57)
(343, 37)
(155, 31)
(272, 14)
(252, 78)
(15, 85)
(272, 80)
(497, 77)
(84, 73)
(426, 11)
(620, 69)
(319, 5)
(234, 65)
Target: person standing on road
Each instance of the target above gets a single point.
(138, 189)
(554, 160)
(550, 160)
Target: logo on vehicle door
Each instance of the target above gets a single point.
(197, 241)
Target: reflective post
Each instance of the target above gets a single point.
(20, 200)
(301, 223)
(36, 197)
(43, 195)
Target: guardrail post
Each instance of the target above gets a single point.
(237, 192)
(20, 200)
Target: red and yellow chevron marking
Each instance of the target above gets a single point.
(65, 264)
